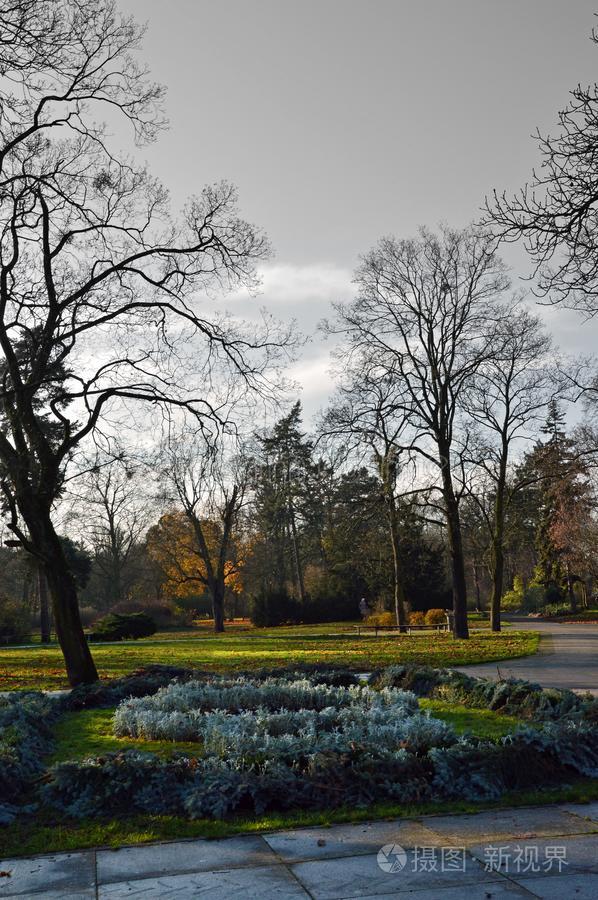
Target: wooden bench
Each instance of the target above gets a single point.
(441, 626)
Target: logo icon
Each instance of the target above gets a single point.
(392, 858)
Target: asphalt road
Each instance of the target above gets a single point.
(567, 658)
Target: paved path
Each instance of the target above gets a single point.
(567, 658)
(546, 852)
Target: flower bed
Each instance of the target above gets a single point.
(282, 744)
(289, 743)
(512, 696)
(281, 719)
(26, 722)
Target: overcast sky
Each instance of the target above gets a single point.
(344, 120)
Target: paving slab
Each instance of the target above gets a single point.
(57, 895)
(348, 840)
(180, 857)
(492, 890)
(574, 886)
(66, 874)
(540, 856)
(361, 876)
(245, 884)
(502, 823)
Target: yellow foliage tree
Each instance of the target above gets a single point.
(189, 554)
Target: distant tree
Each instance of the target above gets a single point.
(283, 469)
(368, 415)
(111, 508)
(209, 490)
(424, 313)
(507, 401)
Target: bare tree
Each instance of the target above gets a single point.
(556, 213)
(424, 312)
(210, 489)
(507, 400)
(100, 286)
(368, 413)
(112, 510)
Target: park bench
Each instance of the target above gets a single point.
(440, 626)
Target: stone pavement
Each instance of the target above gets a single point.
(567, 658)
(547, 852)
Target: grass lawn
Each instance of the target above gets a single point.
(242, 648)
(89, 733)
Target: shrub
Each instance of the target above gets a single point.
(556, 609)
(381, 618)
(273, 607)
(417, 618)
(278, 718)
(161, 613)
(116, 626)
(299, 776)
(534, 597)
(512, 601)
(511, 696)
(435, 617)
(26, 721)
(15, 622)
(277, 607)
(271, 693)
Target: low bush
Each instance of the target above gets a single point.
(381, 618)
(435, 617)
(26, 722)
(161, 614)
(417, 618)
(88, 615)
(271, 607)
(556, 609)
(15, 622)
(117, 626)
(277, 607)
(239, 694)
(279, 719)
(511, 696)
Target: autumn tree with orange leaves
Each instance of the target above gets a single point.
(173, 544)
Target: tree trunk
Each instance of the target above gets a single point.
(79, 663)
(498, 558)
(570, 589)
(399, 593)
(217, 592)
(44, 610)
(460, 625)
(476, 582)
(296, 556)
(498, 567)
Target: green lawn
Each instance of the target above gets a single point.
(90, 733)
(481, 722)
(243, 648)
